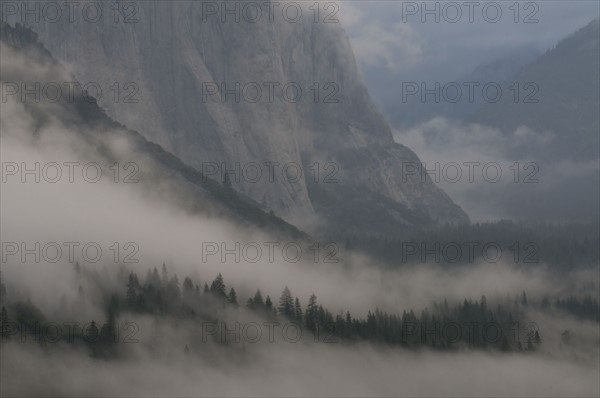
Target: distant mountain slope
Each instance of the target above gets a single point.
(201, 194)
(173, 51)
(499, 70)
(568, 77)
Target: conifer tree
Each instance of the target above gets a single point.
(232, 297)
(130, 295)
(173, 288)
(311, 313)
(188, 286)
(4, 324)
(257, 301)
(155, 278)
(164, 275)
(286, 303)
(297, 310)
(109, 330)
(217, 288)
(269, 305)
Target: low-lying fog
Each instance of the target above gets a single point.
(106, 212)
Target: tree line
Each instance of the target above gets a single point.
(470, 324)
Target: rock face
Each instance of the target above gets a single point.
(183, 56)
(85, 130)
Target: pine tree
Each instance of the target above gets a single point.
(155, 278)
(140, 303)
(148, 281)
(173, 288)
(232, 297)
(130, 295)
(257, 301)
(297, 310)
(164, 276)
(268, 305)
(348, 325)
(109, 330)
(286, 303)
(2, 292)
(311, 313)
(217, 288)
(160, 303)
(188, 286)
(4, 325)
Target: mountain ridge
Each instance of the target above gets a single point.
(206, 196)
(350, 133)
